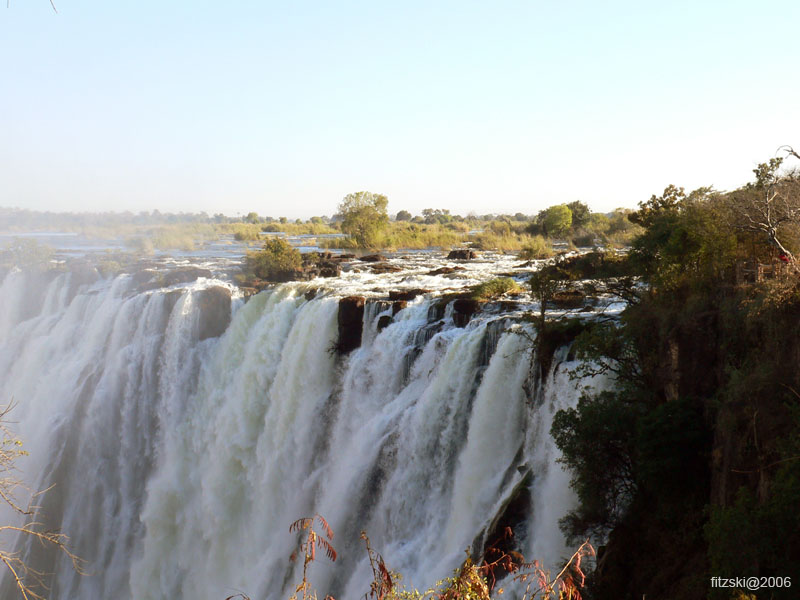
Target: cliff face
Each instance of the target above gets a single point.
(723, 511)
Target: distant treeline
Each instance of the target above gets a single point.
(573, 223)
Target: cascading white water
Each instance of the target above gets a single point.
(180, 459)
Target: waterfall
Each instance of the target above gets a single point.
(183, 430)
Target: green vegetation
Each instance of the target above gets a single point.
(364, 217)
(556, 221)
(580, 214)
(691, 465)
(242, 232)
(277, 261)
(26, 253)
(494, 288)
(536, 249)
(312, 227)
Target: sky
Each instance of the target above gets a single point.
(283, 108)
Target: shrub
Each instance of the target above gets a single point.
(276, 262)
(171, 239)
(495, 288)
(585, 240)
(243, 232)
(493, 241)
(26, 253)
(538, 248)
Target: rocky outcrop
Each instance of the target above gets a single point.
(384, 321)
(509, 524)
(182, 275)
(445, 270)
(373, 258)
(319, 265)
(406, 295)
(215, 311)
(385, 267)
(323, 269)
(568, 299)
(463, 309)
(351, 323)
(462, 254)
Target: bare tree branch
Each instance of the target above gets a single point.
(30, 582)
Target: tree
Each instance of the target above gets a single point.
(545, 284)
(770, 204)
(252, 217)
(580, 214)
(364, 217)
(556, 220)
(685, 240)
(668, 202)
(403, 215)
(438, 215)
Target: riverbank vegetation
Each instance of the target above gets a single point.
(690, 467)
(360, 223)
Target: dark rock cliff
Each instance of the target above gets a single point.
(721, 512)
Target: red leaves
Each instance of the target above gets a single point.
(314, 540)
(309, 547)
(470, 581)
(382, 583)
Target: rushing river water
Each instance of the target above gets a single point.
(182, 428)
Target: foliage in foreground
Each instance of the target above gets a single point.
(470, 581)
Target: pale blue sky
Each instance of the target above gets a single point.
(283, 108)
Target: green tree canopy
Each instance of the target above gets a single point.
(403, 215)
(364, 217)
(556, 220)
(437, 215)
(655, 208)
(580, 213)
